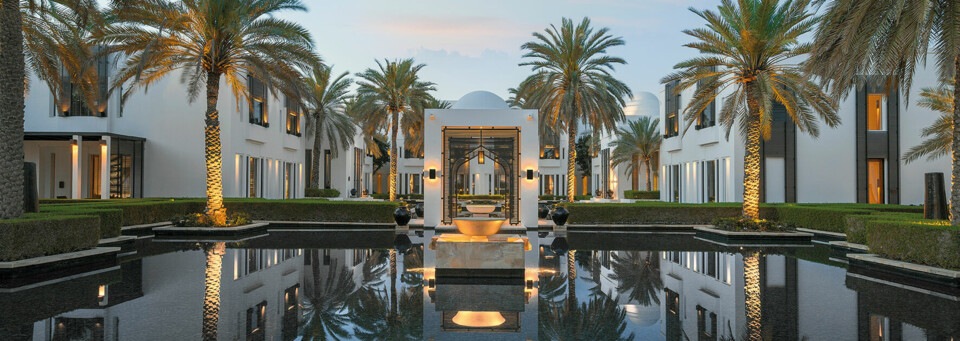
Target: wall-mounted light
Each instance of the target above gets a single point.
(73, 142)
(432, 174)
(480, 159)
(433, 117)
(529, 173)
(529, 117)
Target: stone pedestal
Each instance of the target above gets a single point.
(462, 255)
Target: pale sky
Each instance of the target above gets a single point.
(475, 45)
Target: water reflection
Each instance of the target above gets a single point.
(643, 287)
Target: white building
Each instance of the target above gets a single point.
(153, 145)
(859, 161)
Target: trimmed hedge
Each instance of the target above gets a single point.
(641, 194)
(824, 218)
(921, 241)
(654, 213)
(321, 193)
(549, 197)
(386, 196)
(41, 234)
(312, 210)
(111, 219)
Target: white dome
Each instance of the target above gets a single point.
(480, 100)
(643, 316)
(643, 104)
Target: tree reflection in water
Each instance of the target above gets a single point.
(323, 313)
(211, 288)
(390, 313)
(638, 276)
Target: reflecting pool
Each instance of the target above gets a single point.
(378, 285)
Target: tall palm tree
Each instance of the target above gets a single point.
(574, 82)
(59, 43)
(752, 297)
(890, 38)
(328, 118)
(413, 129)
(208, 40)
(600, 318)
(638, 142)
(940, 133)
(390, 99)
(12, 87)
(749, 43)
(211, 289)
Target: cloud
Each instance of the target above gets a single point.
(470, 35)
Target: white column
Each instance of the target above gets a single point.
(76, 149)
(104, 168)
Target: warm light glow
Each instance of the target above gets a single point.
(480, 159)
(102, 291)
(478, 319)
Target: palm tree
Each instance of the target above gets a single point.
(638, 275)
(940, 133)
(890, 38)
(207, 40)
(12, 87)
(572, 81)
(600, 318)
(387, 96)
(413, 129)
(638, 141)
(752, 298)
(746, 47)
(211, 294)
(59, 44)
(328, 117)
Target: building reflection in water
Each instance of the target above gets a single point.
(388, 292)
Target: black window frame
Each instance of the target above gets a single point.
(258, 94)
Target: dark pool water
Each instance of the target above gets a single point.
(372, 285)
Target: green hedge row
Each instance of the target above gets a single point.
(111, 219)
(386, 196)
(312, 210)
(564, 197)
(654, 213)
(641, 194)
(42, 234)
(321, 193)
(916, 241)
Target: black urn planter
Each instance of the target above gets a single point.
(559, 245)
(419, 210)
(401, 215)
(542, 211)
(560, 216)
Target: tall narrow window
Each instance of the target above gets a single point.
(875, 192)
(326, 169)
(875, 104)
(94, 189)
(258, 101)
(293, 117)
(710, 187)
(253, 175)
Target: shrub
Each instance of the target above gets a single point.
(921, 241)
(641, 194)
(549, 197)
(480, 197)
(203, 220)
(321, 193)
(312, 210)
(740, 224)
(41, 234)
(386, 196)
(653, 213)
(825, 218)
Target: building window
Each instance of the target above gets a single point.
(409, 154)
(258, 101)
(875, 193)
(256, 321)
(708, 116)
(126, 164)
(326, 168)
(293, 117)
(289, 181)
(78, 105)
(706, 324)
(710, 185)
(672, 110)
(253, 178)
(875, 111)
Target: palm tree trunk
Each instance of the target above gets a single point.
(214, 160)
(317, 153)
(635, 174)
(211, 292)
(649, 185)
(12, 75)
(393, 155)
(751, 157)
(751, 287)
(572, 281)
(571, 162)
(393, 283)
(955, 171)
